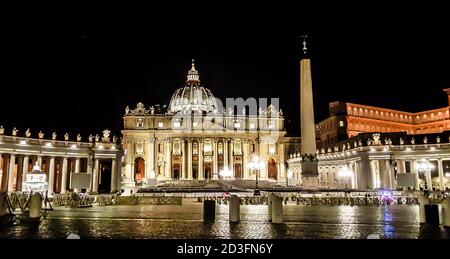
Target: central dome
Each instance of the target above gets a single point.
(193, 96)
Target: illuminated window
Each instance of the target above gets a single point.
(194, 124)
(252, 125)
(176, 124)
(140, 123)
(237, 125)
(341, 124)
(220, 148)
(160, 125)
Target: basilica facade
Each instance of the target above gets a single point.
(197, 139)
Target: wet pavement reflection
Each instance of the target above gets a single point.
(185, 222)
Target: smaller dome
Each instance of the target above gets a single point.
(193, 96)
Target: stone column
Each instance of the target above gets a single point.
(150, 160)
(231, 158)
(12, 163)
(77, 165)
(77, 170)
(19, 174)
(39, 160)
(225, 154)
(183, 159)
(51, 176)
(168, 160)
(245, 156)
(201, 172)
(95, 176)
(388, 175)
(282, 173)
(441, 174)
(415, 172)
(89, 171)
(113, 175)
(365, 173)
(26, 160)
(215, 162)
(4, 172)
(189, 167)
(64, 176)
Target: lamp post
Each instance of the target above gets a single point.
(425, 166)
(256, 165)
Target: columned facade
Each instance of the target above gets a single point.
(376, 161)
(196, 140)
(60, 160)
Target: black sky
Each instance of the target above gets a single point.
(80, 78)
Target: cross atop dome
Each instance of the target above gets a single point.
(193, 74)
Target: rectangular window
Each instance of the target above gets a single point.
(160, 124)
(407, 167)
(341, 124)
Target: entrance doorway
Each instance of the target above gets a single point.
(104, 185)
(208, 171)
(176, 172)
(272, 169)
(238, 171)
(139, 169)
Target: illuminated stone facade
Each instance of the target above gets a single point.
(59, 160)
(348, 120)
(196, 139)
(375, 160)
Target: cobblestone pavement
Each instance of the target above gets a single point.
(153, 222)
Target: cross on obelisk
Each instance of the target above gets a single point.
(308, 129)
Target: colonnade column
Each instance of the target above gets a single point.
(201, 172)
(12, 162)
(190, 159)
(4, 179)
(388, 177)
(183, 159)
(225, 154)
(168, 160)
(113, 175)
(51, 176)
(416, 173)
(95, 176)
(25, 165)
(245, 154)
(215, 170)
(77, 170)
(64, 176)
(89, 171)
(441, 174)
(39, 160)
(231, 158)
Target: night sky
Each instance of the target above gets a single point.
(79, 78)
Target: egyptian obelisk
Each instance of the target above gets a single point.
(310, 180)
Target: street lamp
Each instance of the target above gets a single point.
(425, 166)
(226, 173)
(256, 165)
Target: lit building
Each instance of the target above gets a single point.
(348, 119)
(59, 160)
(369, 148)
(196, 139)
(375, 161)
